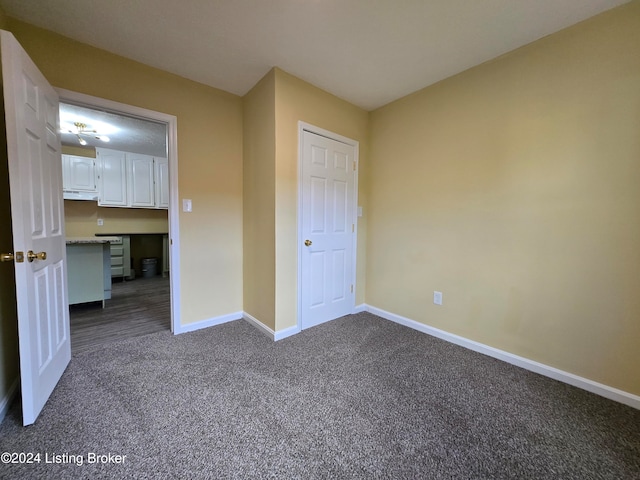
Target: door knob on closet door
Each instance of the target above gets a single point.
(308, 243)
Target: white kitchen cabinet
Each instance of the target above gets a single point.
(140, 169)
(79, 173)
(121, 257)
(112, 179)
(161, 168)
(132, 180)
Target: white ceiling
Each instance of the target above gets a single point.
(369, 52)
(125, 133)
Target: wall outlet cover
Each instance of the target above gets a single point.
(437, 298)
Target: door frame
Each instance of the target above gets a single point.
(171, 121)
(307, 127)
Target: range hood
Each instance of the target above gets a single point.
(77, 195)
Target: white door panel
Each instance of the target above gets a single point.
(35, 177)
(327, 221)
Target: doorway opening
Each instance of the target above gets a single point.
(143, 263)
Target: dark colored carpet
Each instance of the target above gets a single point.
(359, 397)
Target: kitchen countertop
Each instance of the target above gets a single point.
(79, 240)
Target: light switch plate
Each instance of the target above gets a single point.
(437, 298)
(186, 205)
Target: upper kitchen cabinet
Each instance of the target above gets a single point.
(79, 178)
(141, 180)
(112, 181)
(161, 168)
(132, 180)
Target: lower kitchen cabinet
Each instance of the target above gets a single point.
(88, 271)
(121, 257)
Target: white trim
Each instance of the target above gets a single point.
(172, 155)
(259, 325)
(307, 127)
(360, 308)
(273, 335)
(8, 398)
(210, 322)
(286, 332)
(531, 365)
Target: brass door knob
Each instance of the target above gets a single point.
(36, 256)
(308, 243)
(18, 257)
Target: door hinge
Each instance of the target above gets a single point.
(354, 166)
(351, 288)
(353, 228)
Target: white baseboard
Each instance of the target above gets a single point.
(191, 327)
(273, 335)
(286, 332)
(360, 308)
(8, 398)
(211, 322)
(551, 372)
(259, 325)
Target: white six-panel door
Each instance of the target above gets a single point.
(37, 215)
(327, 228)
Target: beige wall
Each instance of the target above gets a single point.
(297, 100)
(209, 154)
(81, 219)
(259, 201)
(272, 110)
(513, 188)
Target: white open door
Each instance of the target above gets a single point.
(328, 173)
(35, 179)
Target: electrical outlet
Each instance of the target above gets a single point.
(100, 222)
(437, 298)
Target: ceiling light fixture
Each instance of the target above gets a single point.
(81, 130)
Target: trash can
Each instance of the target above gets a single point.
(149, 267)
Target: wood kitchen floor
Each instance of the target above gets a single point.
(137, 307)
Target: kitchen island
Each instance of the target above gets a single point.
(89, 269)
